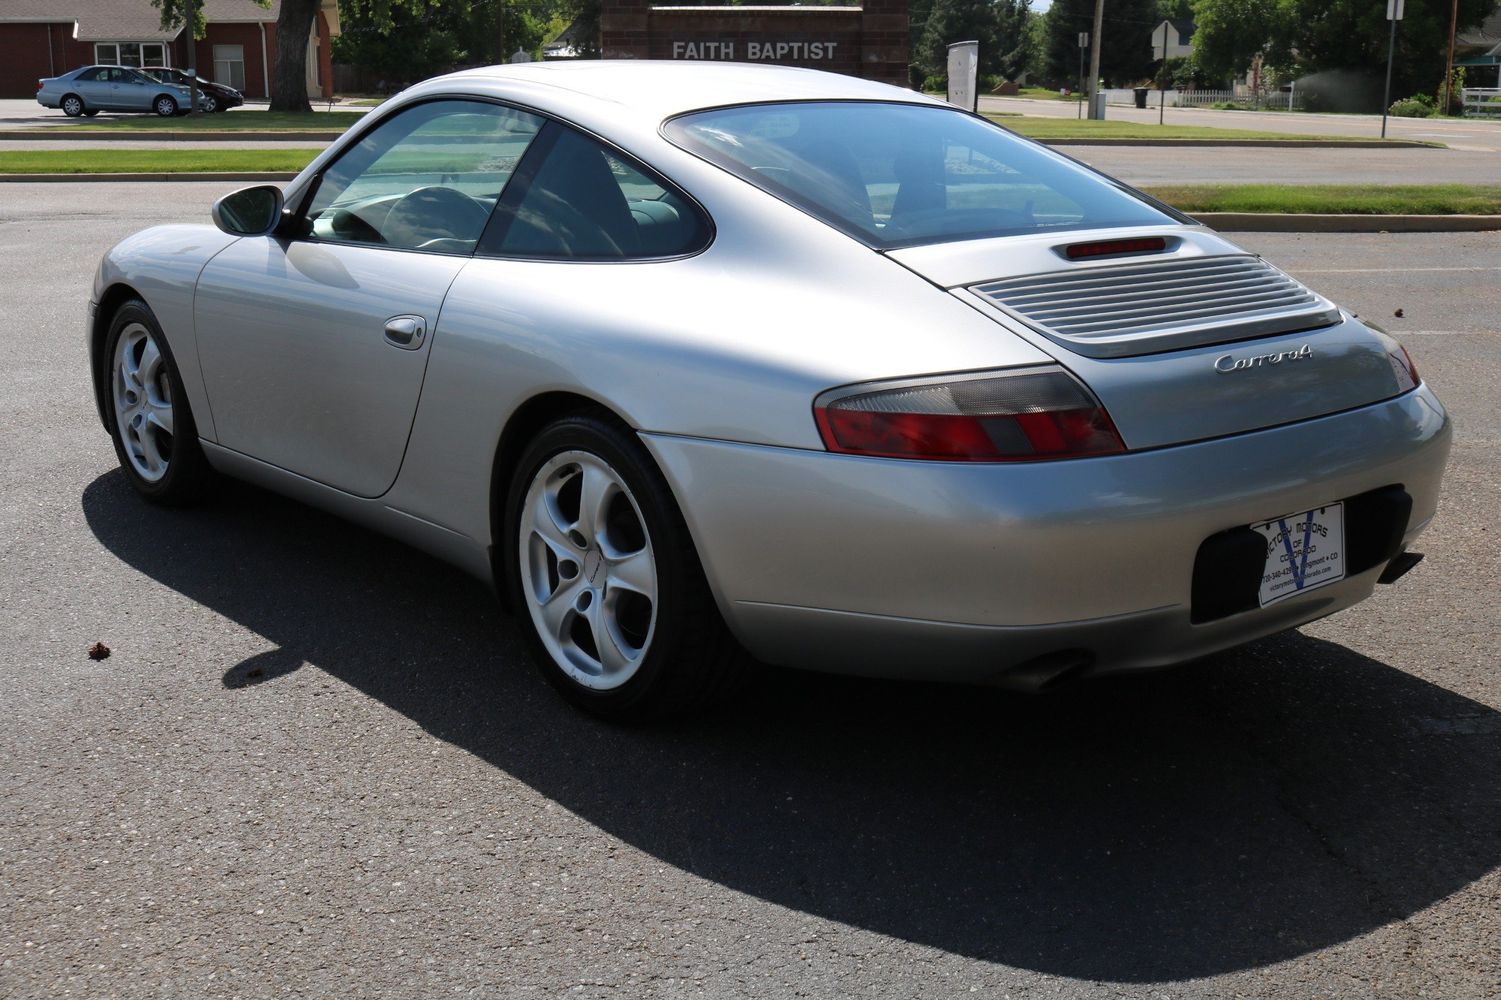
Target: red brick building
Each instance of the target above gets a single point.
(869, 41)
(40, 38)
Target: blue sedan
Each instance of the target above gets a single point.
(92, 89)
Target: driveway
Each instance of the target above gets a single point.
(318, 764)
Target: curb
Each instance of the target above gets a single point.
(65, 134)
(1266, 222)
(148, 176)
(1268, 143)
(1244, 222)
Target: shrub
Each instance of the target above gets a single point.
(1411, 107)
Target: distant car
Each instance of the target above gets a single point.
(212, 96)
(690, 356)
(92, 89)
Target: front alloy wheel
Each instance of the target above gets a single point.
(619, 615)
(155, 437)
(143, 402)
(166, 107)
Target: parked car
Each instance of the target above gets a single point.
(690, 360)
(212, 96)
(89, 90)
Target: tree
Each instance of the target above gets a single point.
(1000, 26)
(1126, 53)
(1304, 37)
(1230, 33)
(288, 86)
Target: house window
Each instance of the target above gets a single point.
(229, 66)
(136, 54)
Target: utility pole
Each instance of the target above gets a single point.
(1094, 52)
(1161, 77)
(192, 67)
(1083, 93)
(1449, 66)
(1393, 14)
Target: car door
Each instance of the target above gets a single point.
(314, 346)
(135, 91)
(93, 86)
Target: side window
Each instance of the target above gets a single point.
(582, 201)
(89, 74)
(426, 179)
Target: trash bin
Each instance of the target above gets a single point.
(1141, 96)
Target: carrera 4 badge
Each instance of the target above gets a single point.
(1226, 363)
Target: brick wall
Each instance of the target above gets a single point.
(248, 37)
(29, 52)
(868, 41)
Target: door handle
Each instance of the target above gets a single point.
(406, 332)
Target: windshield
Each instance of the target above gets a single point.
(898, 175)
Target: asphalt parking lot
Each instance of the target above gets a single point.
(317, 765)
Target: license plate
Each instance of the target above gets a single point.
(1303, 552)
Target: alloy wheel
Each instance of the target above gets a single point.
(142, 393)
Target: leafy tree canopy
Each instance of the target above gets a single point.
(1304, 37)
(1126, 52)
(1000, 26)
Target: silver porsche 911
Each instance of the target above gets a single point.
(701, 361)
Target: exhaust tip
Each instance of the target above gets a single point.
(1049, 672)
(1398, 567)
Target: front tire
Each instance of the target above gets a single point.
(165, 106)
(154, 434)
(605, 577)
(72, 105)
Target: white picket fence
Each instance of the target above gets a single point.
(1481, 102)
(1275, 100)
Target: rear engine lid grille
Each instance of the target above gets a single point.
(1122, 310)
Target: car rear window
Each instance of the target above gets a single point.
(897, 175)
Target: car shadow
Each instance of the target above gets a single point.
(1259, 806)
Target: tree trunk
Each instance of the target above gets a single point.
(289, 79)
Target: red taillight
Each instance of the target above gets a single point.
(39, 86)
(1027, 416)
(1110, 248)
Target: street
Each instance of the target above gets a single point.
(317, 763)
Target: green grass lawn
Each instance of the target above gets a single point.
(1412, 199)
(1045, 94)
(1057, 129)
(229, 121)
(157, 161)
(1338, 199)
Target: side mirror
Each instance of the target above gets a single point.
(252, 211)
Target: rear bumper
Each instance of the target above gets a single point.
(969, 572)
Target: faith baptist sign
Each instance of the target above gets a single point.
(868, 41)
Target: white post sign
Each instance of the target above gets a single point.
(964, 65)
(1394, 10)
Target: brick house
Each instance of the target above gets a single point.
(40, 38)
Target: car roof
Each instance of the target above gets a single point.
(655, 90)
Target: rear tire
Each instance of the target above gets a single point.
(165, 106)
(155, 437)
(72, 105)
(602, 571)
